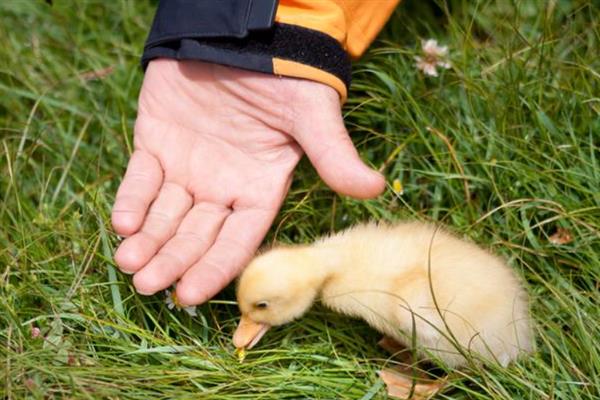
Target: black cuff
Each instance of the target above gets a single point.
(258, 49)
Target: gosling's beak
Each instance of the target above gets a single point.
(248, 333)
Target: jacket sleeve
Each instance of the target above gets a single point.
(311, 39)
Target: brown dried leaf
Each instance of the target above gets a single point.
(402, 386)
(561, 236)
(72, 360)
(390, 345)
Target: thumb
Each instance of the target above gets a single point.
(324, 139)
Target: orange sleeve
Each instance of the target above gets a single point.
(353, 23)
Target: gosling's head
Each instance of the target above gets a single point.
(276, 288)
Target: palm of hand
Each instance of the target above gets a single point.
(215, 149)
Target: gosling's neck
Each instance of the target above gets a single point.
(326, 263)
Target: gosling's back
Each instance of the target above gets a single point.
(455, 291)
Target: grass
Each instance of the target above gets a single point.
(503, 148)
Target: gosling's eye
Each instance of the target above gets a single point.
(261, 304)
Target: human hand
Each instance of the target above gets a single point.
(214, 152)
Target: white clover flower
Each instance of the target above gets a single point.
(171, 302)
(430, 48)
(191, 310)
(433, 57)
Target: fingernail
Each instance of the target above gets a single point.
(126, 272)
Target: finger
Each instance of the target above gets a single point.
(237, 242)
(325, 141)
(195, 235)
(140, 186)
(163, 218)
